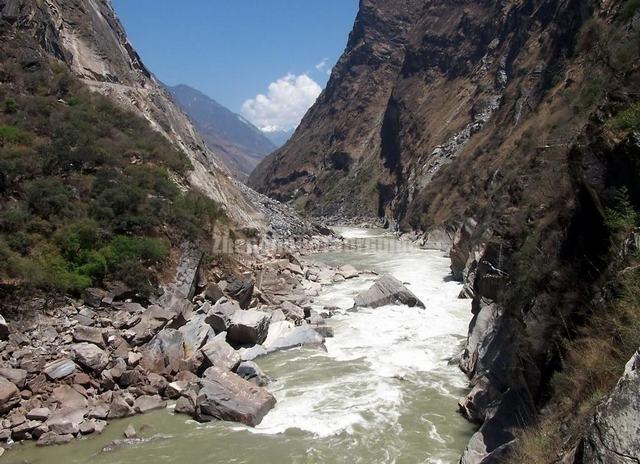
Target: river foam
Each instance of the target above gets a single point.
(378, 357)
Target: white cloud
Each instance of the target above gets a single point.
(284, 105)
(323, 64)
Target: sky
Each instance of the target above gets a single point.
(265, 59)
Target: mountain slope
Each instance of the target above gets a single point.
(87, 37)
(240, 144)
(505, 131)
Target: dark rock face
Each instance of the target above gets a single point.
(386, 291)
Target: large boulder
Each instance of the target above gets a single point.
(348, 271)
(164, 352)
(195, 334)
(93, 297)
(66, 421)
(387, 291)
(284, 335)
(68, 398)
(226, 396)
(219, 315)
(213, 293)
(120, 407)
(9, 395)
(90, 356)
(248, 327)
(151, 322)
(219, 353)
(292, 312)
(148, 403)
(241, 290)
(615, 431)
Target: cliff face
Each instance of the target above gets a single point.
(499, 126)
(87, 36)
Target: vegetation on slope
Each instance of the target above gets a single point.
(87, 191)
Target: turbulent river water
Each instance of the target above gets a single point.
(383, 392)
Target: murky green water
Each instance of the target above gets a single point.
(382, 393)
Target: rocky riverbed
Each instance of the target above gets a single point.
(67, 369)
(381, 389)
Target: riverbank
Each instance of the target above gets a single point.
(384, 378)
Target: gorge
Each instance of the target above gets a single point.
(489, 148)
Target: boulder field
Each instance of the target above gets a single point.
(66, 370)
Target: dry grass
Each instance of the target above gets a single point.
(594, 362)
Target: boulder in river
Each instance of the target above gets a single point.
(248, 327)
(250, 371)
(387, 291)
(284, 335)
(292, 312)
(226, 396)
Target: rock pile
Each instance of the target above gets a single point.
(65, 372)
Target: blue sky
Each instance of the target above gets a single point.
(234, 50)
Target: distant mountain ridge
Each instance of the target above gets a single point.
(238, 142)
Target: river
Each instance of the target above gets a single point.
(383, 392)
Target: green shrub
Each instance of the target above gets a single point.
(146, 250)
(620, 216)
(14, 218)
(628, 10)
(10, 106)
(12, 134)
(628, 119)
(46, 269)
(48, 197)
(85, 187)
(77, 238)
(592, 94)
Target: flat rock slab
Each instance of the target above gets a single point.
(59, 369)
(148, 403)
(89, 335)
(387, 291)
(226, 396)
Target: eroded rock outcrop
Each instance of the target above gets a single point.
(615, 431)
